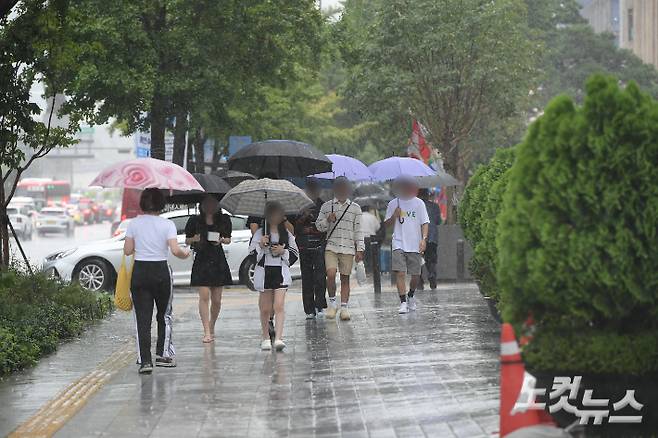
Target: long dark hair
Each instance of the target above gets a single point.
(271, 208)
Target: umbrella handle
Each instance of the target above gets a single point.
(400, 218)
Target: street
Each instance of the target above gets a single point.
(41, 246)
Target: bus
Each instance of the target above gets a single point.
(44, 191)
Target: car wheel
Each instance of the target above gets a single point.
(94, 274)
(247, 272)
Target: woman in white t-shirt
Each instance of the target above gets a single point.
(150, 238)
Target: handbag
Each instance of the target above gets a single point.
(122, 298)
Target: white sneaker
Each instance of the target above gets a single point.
(403, 308)
(331, 312)
(310, 316)
(411, 303)
(279, 345)
(320, 314)
(266, 345)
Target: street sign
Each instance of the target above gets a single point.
(143, 145)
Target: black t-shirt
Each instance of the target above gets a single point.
(306, 234)
(197, 225)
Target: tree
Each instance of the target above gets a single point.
(34, 46)
(454, 65)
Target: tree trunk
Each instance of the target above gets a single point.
(180, 133)
(190, 153)
(158, 126)
(4, 230)
(199, 153)
(454, 165)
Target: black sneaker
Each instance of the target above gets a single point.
(146, 368)
(168, 362)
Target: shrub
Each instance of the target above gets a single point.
(36, 313)
(578, 240)
(477, 215)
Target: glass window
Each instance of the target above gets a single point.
(631, 25)
(180, 222)
(238, 223)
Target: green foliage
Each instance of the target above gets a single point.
(478, 212)
(578, 239)
(36, 313)
(454, 65)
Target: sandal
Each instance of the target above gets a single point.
(208, 339)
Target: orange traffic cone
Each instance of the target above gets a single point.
(512, 371)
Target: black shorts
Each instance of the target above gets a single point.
(273, 278)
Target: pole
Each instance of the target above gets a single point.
(376, 270)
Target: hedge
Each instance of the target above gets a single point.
(37, 313)
(578, 232)
(478, 212)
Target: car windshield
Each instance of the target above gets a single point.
(52, 212)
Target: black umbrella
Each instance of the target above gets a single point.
(279, 159)
(212, 184)
(233, 177)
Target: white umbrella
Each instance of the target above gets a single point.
(250, 197)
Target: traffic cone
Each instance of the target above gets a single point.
(512, 371)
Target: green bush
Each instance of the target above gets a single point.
(477, 215)
(578, 239)
(37, 313)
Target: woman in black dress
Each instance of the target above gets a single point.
(210, 272)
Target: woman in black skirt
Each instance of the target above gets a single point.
(210, 272)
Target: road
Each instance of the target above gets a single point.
(41, 246)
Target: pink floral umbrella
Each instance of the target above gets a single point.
(145, 173)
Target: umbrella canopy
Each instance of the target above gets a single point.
(441, 178)
(249, 197)
(375, 201)
(146, 173)
(233, 177)
(282, 158)
(212, 184)
(369, 190)
(395, 167)
(349, 167)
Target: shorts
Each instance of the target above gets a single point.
(342, 262)
(273, 278)
(409, 262)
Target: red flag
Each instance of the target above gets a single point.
(418, 146)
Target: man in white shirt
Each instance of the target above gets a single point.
(408, 215)
(369, 223)
(340, 218)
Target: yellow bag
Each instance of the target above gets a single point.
(122, 291)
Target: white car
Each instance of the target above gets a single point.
(95, 265)
(54, 220)
(21, 221)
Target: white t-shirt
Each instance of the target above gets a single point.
(151, 234)
(408, 234)
(369, 224)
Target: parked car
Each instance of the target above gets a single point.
(21, 221)
(54, 220)
(95, 265)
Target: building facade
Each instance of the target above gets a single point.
(602, 15)
(639, 28)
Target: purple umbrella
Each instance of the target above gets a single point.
(395, 167)
(349, 167)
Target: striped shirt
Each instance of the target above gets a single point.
(347, 238)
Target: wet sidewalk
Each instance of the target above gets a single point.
(430, 373)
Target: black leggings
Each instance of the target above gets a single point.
(151, 283)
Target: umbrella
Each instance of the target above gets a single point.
(249, 197)
(375, 201)
(349, 167)
(395, 167)
(282, 158)
(146, 173)
(441, 178)
(369, 190)
(233, 177)
(212, 184)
